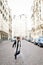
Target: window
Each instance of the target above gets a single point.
(3, 15)
(1, 11)
(5, 10)
(0, 3)
(3, 7)
(9, 16)
(36, 3)
(39, 1)
(6, 13)
(4, 18)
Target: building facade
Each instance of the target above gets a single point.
(37, 29)
(5, 20)
(10, 26)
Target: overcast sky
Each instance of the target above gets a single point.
(19, 7)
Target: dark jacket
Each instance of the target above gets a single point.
(14, 44)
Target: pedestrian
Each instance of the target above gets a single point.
(17, 48)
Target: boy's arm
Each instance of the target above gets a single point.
(14, 43)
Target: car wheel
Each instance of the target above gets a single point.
(39, 45)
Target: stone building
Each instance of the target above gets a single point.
(37, 20)
(5, 21)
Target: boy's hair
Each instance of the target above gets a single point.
(18, 37)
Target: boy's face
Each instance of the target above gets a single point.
(18, 39)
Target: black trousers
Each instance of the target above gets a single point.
(17, 52)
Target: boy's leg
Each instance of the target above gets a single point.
(15, 55)
(18, 53)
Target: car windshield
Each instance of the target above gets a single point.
(41, 38)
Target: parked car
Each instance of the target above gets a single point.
(40, 42)
(32, 40)
(27, 39)
(36, 41)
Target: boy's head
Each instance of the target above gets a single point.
(18, 38)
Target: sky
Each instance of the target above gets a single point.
(19, 7)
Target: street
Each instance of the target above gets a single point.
(30, 54)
